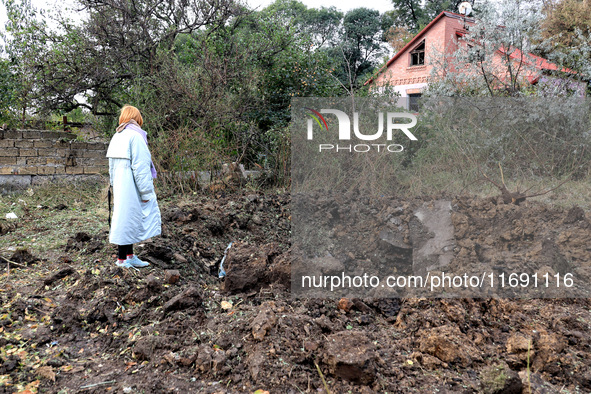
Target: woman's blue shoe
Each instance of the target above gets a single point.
(137, 263)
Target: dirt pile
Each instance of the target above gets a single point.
(175, 327)
(85, 243)
(530, 239)
(21, 258)
(523, 251)
(253, 267)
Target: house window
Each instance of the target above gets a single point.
(414, 102)
(417, 55)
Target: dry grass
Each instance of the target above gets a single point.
(425, 183)
(48, 215)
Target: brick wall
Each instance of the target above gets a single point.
(49, 154)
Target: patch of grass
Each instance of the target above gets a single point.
(493, 378)
(48, 215)
(435, 182)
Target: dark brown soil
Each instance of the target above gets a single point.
(106, 329)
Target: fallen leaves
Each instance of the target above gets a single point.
(345, 304)
(46, 372)
(172, 358)
(72, 369)
(5, 380)
(30, 388)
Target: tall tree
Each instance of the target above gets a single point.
(9, 91)
(359, 47)
(25, 40)
(323, 25)
(566, 30)
(98, 56)
(320, 24)
(413, 15)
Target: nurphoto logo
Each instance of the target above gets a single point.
(344, 130)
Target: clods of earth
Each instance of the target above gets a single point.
(176, 327)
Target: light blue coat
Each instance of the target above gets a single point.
(129, 169)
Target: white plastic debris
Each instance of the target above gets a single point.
(11, 215)
(222, 271)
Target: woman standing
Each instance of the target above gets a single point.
(136, 216)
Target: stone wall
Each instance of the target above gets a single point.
(35, 156)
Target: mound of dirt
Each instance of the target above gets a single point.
(252, 267)
(85, 243)
(5, 227)
(156, 330)
(22, 257)
(485, 239)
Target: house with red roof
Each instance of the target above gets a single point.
(410, 70)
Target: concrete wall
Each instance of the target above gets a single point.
(35, 156)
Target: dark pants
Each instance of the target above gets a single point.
(123, 251)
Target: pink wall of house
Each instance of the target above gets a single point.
(440, 38)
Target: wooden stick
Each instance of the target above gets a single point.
(97, 384)
(502, 176)
(547, 191)
(13, 263)
(490, 180)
